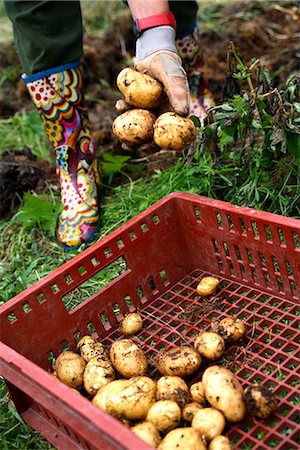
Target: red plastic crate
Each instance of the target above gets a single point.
(163, 253)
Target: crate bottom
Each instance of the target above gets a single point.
(268, 355)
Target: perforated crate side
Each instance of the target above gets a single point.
(165, 251)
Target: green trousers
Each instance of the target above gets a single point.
(49, 33)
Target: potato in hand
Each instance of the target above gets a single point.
(139, 89)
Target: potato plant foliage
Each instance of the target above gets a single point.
(251, 141)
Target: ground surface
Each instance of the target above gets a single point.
(265, 30)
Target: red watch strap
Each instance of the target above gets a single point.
(158, 20)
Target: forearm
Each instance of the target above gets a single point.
(144, 8)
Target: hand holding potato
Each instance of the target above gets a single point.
(166, 67)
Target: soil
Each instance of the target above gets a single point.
(270, 33)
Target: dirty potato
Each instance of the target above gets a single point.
(128, 358)
(197, 393)
(220, 443)
(127, 399)
(147, 432)
(207, 286)
(260, 401)
(70, 368)
(224, 392)
(98, 372)
(179, 361)
(182, 439)
(90, 348)
(209, 422)
(131, 324)
(189, 411)
(134, 127)
(139, 89)
(173, 132)
(210, 345)
(173, 388)
(231, 329)
(165, 415)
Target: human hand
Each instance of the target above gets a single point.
(165, 66)
(157, 56)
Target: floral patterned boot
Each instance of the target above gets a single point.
(58, 96)
(189, 50)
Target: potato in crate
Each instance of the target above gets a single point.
(156, 261)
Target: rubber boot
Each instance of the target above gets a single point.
(58, 96)
(189, 49)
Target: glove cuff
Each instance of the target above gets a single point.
(155, 39)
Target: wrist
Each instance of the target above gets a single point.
(155, 39)
(157, 20)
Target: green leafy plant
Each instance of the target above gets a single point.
(23, 130)
(38, 211)
(252, 141)
(113, 164)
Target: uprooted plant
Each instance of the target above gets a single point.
(255, 134)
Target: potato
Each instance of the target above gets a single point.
(210, 345)
(173, 388)
(89, 348)
(220, 443)
(189, 411)
(224, 392)
(69, 368)
(129, 399)
(179, 361)
(207, 286)
(139, 89)
(260, 401)
(165, 415)
(209, 422)
(128, 358)
(197, 393)
(131, 324)
(98, 372)
(231, 329)
(182, 439)
(147, 432)
(134, 127)
(173, 132)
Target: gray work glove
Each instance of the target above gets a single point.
(156, 55)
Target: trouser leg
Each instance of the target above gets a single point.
(47, 33)
(48, 37)
(185, 12)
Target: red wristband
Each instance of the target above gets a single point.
(158, 20)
